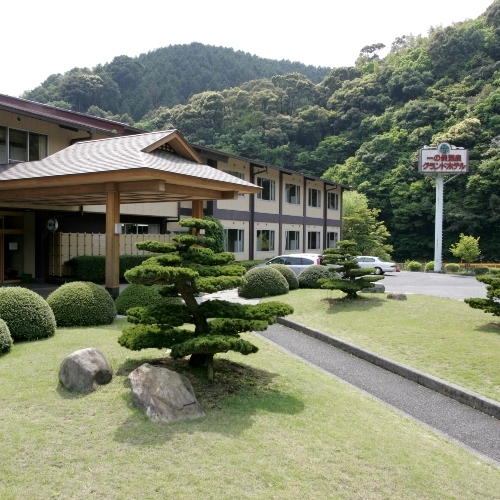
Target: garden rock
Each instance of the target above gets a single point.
(396, 296)
(375, 288)
(85, 370)
(164, 395)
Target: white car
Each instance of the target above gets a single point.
(297, 262)
(380, 266)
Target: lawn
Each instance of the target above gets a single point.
(443, 337)
(275, 429)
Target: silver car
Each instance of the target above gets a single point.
(380, 266)
(297, 262)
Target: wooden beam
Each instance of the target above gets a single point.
(197, 209)
(112, 240)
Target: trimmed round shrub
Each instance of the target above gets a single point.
(82, 303)
(429, 266)
(142, 296)
(495, 271)
(452, 268)
(263, 282)
(481, 270)
(309, 277)
(288, 274)
(5, 338)
(26, 313)
(413, 266)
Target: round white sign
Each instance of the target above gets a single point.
(52, 225)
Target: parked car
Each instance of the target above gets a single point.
(380, 266)
(297, 262)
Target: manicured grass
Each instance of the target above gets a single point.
(275, 429)
(443, 337)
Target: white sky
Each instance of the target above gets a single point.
(42, 38)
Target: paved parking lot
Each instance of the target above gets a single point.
(451, 286)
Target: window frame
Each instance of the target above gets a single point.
(309, 239)
(288, 240)
(239, 175)
(240, 239)
(335, 238)
(271, 240)
(271, 188)
(8, 159)
(310, 196)
(332, 201)
(289, 197)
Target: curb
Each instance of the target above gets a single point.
(464, 396)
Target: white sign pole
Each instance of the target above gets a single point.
(438, 230)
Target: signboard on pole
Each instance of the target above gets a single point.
(443, 159)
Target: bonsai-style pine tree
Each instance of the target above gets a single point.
(351, 278)
(492, 303)
(190, 268)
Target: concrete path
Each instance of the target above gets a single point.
(463, 425)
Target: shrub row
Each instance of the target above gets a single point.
(93, 267)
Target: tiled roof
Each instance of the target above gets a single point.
(122, 153)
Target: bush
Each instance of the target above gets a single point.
(309, 277)
(5, 338)
(288, 274)
(481, 270)
(142, 296)
(217, 234)
(413, 266)
(93, 267)
(81, 303)
(429, 266)
(452, 268)
(495, 271)
(26, 313)
(263, 282)
(248, 264)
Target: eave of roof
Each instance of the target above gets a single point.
(65, 117)
(222, 154)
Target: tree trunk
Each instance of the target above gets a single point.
(210, 368)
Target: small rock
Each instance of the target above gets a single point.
(396, 296)
(164, 395)
(85, 370)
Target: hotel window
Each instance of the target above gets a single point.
(234, 240)
(314, 198)
(333, 201)
(268, 189)
(331, 239)
(140, 228)
(313, 240)
(240, 175)
(292, 194)
(265, 240)
(292, 240)
(19, 145)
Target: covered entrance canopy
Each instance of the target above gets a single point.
(142, 168)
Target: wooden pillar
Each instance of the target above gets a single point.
(197, 209)
(112, 240)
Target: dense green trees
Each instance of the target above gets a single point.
(361, 125)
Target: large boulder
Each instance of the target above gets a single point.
(85, 370)
(374, 288)
(164, 395)
(396, 296)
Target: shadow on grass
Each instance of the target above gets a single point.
(238, 392)
(489, 328)
(362, 303)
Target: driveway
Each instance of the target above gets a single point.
(451, 286)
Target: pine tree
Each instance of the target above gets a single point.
(351, 278)
(492, 303)
(190, 268)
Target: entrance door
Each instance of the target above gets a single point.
(11, 246)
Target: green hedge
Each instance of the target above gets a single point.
(5, 337)
(26, 313)
(82, 303)
(248, 264)
(495, 271)
(93, 267)
(452, 268)
(142, 296)
(288, 274)
(429, 266)
(309, 277)
(263, 282)
(481, 270)
(413, 265)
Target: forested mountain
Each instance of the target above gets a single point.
(363, 126)
(163, 77)
(360, 125)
